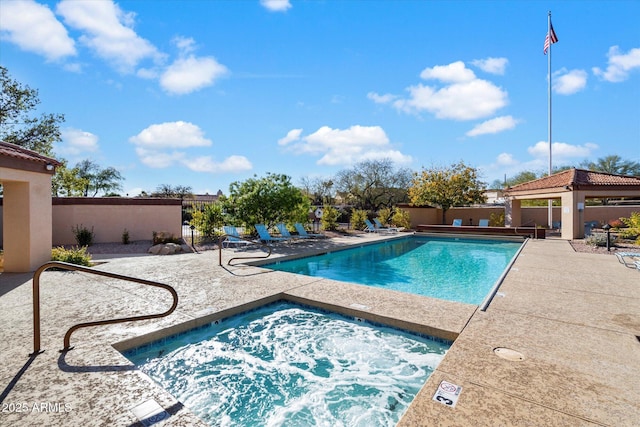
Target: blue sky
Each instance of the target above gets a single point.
(204, 93)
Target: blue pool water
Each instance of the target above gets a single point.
(284, 364)
(462, 270)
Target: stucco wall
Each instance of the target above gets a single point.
(109, 217)
(530, 215)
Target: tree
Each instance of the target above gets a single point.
(374, 184)
(319, 191)
(85, 179)
(266, 200)
(17, 126)
(167, 191)
(613, 164)
(457, 185)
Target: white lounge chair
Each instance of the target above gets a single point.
(233, 237)
(622, 255)
(381, 227)
(266, 237)
(303, 232)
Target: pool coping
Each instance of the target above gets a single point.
(564, 311)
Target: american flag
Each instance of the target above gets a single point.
(550, 39)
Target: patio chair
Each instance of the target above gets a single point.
(483, 223)
(284, 232)
(372, 228)
(638, 265)
(233, 237)
(303, 232)
(381, 227)
(457, 222)
(266, 237)
(622, 255)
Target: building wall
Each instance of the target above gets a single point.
(109, 217)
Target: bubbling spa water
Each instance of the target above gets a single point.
(285, 364)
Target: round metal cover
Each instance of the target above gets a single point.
(508, 354)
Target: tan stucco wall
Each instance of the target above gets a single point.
(109, 220)
(27, 208)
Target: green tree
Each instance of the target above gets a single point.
(97, 180)
(374, 184)
(613, 164)
(457, 185)
(167, 191)
(17, 125)
(209, 220)
(67, 182)
(267, 200)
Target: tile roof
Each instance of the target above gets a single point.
(18, 152)
(577, 179)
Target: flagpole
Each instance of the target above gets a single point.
(550, 202)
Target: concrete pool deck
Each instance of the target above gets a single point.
(574, 317)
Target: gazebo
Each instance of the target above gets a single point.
(572, 187)
(26, 207)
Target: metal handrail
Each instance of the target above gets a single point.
(223, 237)
(75, 267)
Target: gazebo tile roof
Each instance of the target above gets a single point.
(577, 178)
(18, 152)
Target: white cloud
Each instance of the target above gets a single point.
(76, 142)
(381, 99)
(171, 135)
(276, 5)
(491, 65)
(292, 135)
(187, 75)
(569, 82)
(619, 65)
(161, 146)
(108, 31)
(347, 146)
(493, 126)
(506, 159)
(562, 150)
(34, 28)
(462, 97)
(231, 164)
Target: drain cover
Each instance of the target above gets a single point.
(508, 354)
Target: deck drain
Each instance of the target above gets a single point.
(508, 354)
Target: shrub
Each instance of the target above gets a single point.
(385, 215)
(162, 237)
(330, 218)
(600, 239)
(75, 255)
(208, 220)
(616, 223)
(84, 236)
(401, 218)
(125, 237)
(357, 219)
(633, 227)
(496, 219)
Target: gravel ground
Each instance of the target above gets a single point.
(581, 246)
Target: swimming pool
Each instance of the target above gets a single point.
(453, 269)
(285, 364)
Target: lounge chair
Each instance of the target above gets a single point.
(284, 232)
(381, 227)
(483, 223)
(303, 232)
(457, 222)
(371, 228)
(638, 265)
(266, 237)
(622, 255)
(233, 237)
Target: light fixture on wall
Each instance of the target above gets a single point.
(49, 167)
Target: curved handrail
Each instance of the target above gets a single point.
(75, 267)
(223, 237)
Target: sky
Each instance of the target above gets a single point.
(204, 93)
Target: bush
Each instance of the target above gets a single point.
(330, 218)
(616, 223)
(496, 219)
(401, 218)
(75, 255)
(162, 237)
(357, 219)
(125, 237)
(84, 236)
(600, 239)
(385, 215)
(209, 220)
(632, 230)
